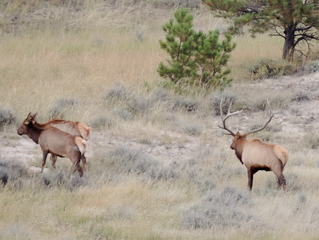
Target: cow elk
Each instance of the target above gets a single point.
(255, 154)
(55, 141)
(74, 128)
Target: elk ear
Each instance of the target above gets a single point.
(34, 117)
(28, 119)
(245, 135)
(237, 134)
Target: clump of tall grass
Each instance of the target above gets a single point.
(61, 106)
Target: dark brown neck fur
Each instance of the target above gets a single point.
(34, 132)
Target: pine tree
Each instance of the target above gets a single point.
(196, 58)
(297, 21)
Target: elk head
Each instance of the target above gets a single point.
(23, 129)
(237, 136)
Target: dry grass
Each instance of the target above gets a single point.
(158, 165)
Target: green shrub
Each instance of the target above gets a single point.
(197, 59)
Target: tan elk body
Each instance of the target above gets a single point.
(257, 155)
(55, 141)
(74, 128)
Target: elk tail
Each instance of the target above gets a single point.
(282, 154)
(81, 144)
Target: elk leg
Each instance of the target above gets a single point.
(83, 158)
(53, 158)
(278, 172)
(76, 167)
(80, 170)
(250, 178)
(251, 172)
(44, 159)
(282, 181)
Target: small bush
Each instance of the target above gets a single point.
(102, 122)
(226, 208)
(13, 173)
(117, 94)
(185, 105)
(193, 129)
(310, 67)
(6, 117)
(58, 109)
(266, 68)
(123, 114)
(300, 96)
(61, 179)
(141, 106)
(214, 102)
(311, 140)
(127, 161)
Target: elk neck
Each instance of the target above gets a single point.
(34, 132)
(239, 147)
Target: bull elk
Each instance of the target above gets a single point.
(74, 128)
(55, 141)
(255, 154)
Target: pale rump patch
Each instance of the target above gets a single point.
(281, 153)
(81, 143)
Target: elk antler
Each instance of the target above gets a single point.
(262, 128)
(227, 116)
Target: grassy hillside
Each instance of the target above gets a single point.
(159, 166)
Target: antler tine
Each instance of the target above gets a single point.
(227, 116)
(265, 125)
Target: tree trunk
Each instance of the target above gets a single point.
(289, 45)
